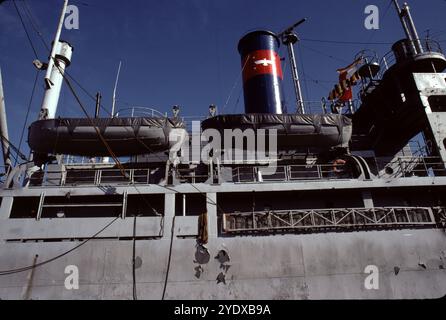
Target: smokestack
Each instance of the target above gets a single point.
(262, 72)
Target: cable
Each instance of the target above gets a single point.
(14, 148)
(19, 270)
(27, 113)
(303, 70)
(135, 297)
(169, 258)
(86, 92)
(26, 31)
(374, 30)
(324, 54)
(34, 24)
(345, 42)
(236, 83)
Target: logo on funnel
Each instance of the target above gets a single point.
(261, 62)
(264, 62)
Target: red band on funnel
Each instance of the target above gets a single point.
(261, 62)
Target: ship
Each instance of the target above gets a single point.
(343, 204)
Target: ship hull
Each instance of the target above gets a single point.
(312, 266)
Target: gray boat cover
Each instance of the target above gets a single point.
(125, 136)
(293, 130)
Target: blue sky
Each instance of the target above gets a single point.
(185, 52)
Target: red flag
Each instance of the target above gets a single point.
(344, 75)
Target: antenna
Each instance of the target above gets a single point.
(289, 38)
(114, 91)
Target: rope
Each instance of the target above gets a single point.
(169, 258)
(27, 113)
(235, 83)
(26, 31)
(18, 270)
(34, 24)
(135, 297)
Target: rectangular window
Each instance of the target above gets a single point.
(25, 208)
(437, 103)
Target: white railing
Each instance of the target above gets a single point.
(138, 111)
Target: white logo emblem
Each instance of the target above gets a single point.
(264, 62)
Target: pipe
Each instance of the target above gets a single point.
(405, 27)
(413, 29)
(4, 128)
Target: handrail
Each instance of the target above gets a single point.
(316, 219)
(141, 112)
(389, 59)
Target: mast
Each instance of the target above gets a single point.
(59, 59)
(98, 104)
(413, 29)
(114, 91)
(289, 38)
(409, 27)
(4, 128)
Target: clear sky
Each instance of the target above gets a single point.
(185, 51)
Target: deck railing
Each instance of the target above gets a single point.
(316, 219)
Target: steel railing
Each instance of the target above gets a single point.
(343, 218)
(389, 59)
(290, 173)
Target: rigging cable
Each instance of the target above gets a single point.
(34, 24)
(236, 83)
(26, 30)
(345, 42)
(303, 70)
(382, 19)
(135, 297)
(27, 113)
(324, 54)
(172, 231)
(14, 148)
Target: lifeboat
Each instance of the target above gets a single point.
(125, 136)
(294, 131)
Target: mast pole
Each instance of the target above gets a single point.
(98, 104)
(296, 81)
(406, 29)
(59, 59)
(416, 38)
(114, 91)
(4, 128)
(289, 38)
